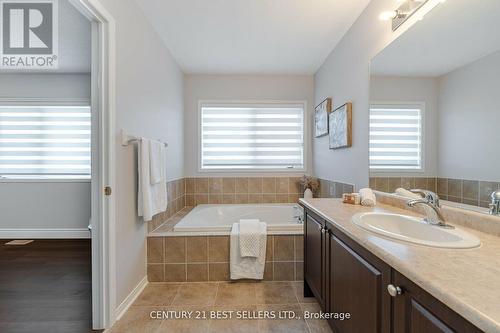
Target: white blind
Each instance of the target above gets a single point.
(396, 137)
(45, 140)
(251, 137)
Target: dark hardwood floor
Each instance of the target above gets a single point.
(45, 286)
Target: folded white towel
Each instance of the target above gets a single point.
(247, 267)
(407, 194)
(250, 238)
(157, 161)
(367, 197)
(151, 198)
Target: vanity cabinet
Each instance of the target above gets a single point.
(345, 277)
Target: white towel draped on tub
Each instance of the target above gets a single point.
(250, 238)
(247, 267)
(151, 198)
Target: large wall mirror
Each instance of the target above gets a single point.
(435, 106)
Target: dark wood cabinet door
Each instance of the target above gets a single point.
(416, 311)
(357, 286)
(314, 257)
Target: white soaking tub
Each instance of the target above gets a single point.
(218, 219)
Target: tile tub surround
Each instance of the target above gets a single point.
(333, 189)
(466, 191)
(461, 279)
(176, 202)
(242, 190)
(206, 258)
(216, 296)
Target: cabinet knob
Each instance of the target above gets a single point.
(323, 230)
(394, 291)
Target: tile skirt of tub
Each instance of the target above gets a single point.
(470, 192)
(206, 258)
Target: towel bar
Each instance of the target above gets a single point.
(128, 139)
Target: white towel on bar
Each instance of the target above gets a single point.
(367, 197)
(157, 161)
(247, 267)
(250, 237)
(151, 198)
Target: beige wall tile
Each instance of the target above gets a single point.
(283, 248)
(269, 185)
(394, 183)
(155, 250)
(255, 185)
(190, 185)
(155, 272)
(270, 248)
(293, 198)
(228, 185)
(282, 198)
(421, 183)
(182, 184)
(218, 272)
(382, 184)
(471, 190)
(241, 185)
(175, 250)
(241, 198)
(455, 188)
(201, 199)
(299, 248)
(175, 272)
(485, 190)
(255, 198)
(442, 186)
(284, 271)
(299, 271)
(268, 271)
(201, 185)
(218, 248)
(282, 185)
(408, 182)
(197, 248)
(215, 185)
(215, 199)
(293, 185)
(228, 199)
(190, 200)
(197, 272)
(269, 198)
(431, 184)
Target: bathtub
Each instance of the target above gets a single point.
(218, 219)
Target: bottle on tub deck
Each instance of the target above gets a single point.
(308, 194)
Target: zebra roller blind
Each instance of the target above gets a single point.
(396, 136)
(252, 137)
(45, 141)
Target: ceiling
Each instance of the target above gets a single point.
(452, 35)
(251, 36)
(74, 42)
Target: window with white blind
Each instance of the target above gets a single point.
(252, 137)
(40, 142)
(396, 137)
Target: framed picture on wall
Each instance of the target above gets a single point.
(321, 113)
(340, 125)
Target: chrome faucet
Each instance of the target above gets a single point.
(430, 199)
(495, 203)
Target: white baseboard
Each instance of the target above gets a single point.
(130, 299)
(44, 233)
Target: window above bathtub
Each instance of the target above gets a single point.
(252, 136)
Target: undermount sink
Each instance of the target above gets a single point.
(415, 230)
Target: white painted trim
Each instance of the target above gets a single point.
(45, 233)
(130, 299)
(258, 103)
(44, 101)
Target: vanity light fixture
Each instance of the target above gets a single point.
(407, 8)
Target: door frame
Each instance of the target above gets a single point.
(103, 161)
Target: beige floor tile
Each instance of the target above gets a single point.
(194, 324)
(275, 293)
(298, 288)
(136, 320)
(234, 324)
(157, 294)
(315, 325)
(200, 294)
(282, 325)
(232, 293)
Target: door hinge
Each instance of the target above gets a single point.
(107, 190)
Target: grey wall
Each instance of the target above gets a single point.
(239, 87)
(149, 102)
(469, 118)
(409, 89)
(44, 205)
(345, 77)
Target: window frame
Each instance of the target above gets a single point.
(254, 103)
(42, 101)
(422, 169)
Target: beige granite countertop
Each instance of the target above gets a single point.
(466, 280)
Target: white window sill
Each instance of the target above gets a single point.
(20, 179)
